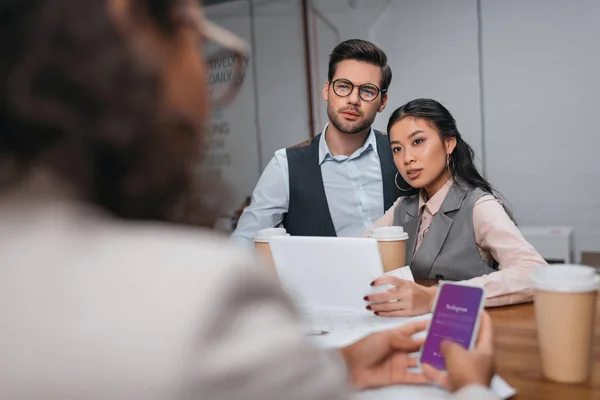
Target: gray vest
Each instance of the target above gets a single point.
(449, 250)
(308, 210)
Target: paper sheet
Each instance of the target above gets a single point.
(345, 328)
(499, 386)
(402, 273)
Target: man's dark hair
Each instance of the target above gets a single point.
(78, 102)
(360, 50)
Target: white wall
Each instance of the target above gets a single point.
(333, 21)
(431, 46)
(281, 75)
(540, 83)
(271, 110)
(541, 63)
(232, 151)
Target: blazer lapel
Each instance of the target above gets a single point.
(411, 226)
(406, 215)
(433, 242)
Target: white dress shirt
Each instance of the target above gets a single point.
(353, 187)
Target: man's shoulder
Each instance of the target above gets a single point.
(381, 139)
(304, 144)
(300, 145)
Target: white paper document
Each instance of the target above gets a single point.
(402, 273)
(346, 328)
(499, 386)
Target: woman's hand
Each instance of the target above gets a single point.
(383, 358)
(405, 299)
(466, 367)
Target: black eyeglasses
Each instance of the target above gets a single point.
(367, 91)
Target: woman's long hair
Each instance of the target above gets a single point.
(462, 167)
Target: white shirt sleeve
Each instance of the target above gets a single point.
(270, 199)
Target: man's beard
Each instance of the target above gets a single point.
(349, 127)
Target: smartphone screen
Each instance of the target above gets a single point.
(456, 316)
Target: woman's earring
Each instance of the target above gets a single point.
(450, 163)
(398, 186)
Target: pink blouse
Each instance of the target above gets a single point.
(496, 235)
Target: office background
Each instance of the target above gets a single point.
(520, 76)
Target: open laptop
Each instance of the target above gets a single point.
(327, 272)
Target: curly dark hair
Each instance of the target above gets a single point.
(77, 101)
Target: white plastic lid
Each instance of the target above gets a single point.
(566, 278)
(263, 235)
(389, 234)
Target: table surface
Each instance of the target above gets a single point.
(518, 358)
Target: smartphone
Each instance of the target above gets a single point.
(456, 317)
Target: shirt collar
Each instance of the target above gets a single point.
(433, 204)
(324, 152)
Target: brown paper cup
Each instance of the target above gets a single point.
(392, 246)
(565, 309)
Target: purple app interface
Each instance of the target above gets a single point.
(454, 318)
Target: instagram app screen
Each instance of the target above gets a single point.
(454, 318)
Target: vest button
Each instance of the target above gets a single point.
(439, 277)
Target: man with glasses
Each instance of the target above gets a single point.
(344, 179)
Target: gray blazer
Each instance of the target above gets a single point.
(95, 308)
(449, 250)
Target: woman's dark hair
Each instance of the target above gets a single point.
(436, 115)
(76, 100)
(360, 50)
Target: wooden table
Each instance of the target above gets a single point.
(518, 357)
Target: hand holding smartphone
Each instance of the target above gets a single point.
(456, 317)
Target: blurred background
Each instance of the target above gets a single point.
(521, 78)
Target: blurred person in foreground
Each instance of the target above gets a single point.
(102, 104)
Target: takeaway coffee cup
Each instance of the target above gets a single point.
(392, 246)
(565, 309)
(261, 243)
